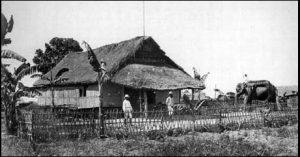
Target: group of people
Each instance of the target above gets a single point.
(127, 108)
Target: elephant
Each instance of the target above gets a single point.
(258, 90)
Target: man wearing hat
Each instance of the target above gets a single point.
(127, 109)
(170, 103)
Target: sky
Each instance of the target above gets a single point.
(227, 39)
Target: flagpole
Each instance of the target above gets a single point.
(144, 18)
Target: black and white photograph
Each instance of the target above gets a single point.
(149, 78)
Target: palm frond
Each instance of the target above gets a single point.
(5, 74)
(36, 76)
(10, 24)
(41, 76)
(27, 71)
(13, 55)
(203, 78)
(32, 70)
(21, 67)
(20, 94)
(26, 91)
(92, 57)
(21, 85)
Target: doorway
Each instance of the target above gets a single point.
(134, 98)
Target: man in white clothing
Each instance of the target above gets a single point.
(127, 109)
(170, 103)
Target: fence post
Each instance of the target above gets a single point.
(263, 118)
(18, 122)
(194, 119)
(162, 120)
(32, 139)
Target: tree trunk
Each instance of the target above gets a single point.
(6, 116)
(10, 119)
(246, 99)
(100, 105)
(52, 91)
(236, 100)
(52, 95)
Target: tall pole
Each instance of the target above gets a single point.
(144, 18)
(52, 82)
(100, 105)
(140, 99)
(192, 94)
(51, 88)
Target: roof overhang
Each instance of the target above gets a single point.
(142, 76)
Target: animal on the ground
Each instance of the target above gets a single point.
(258, 90)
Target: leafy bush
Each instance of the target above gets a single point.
(156, 135)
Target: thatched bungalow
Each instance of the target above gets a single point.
(137, 67)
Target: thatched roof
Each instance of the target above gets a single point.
(154, 77)
(122, 70)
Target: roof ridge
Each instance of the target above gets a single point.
(122, 42)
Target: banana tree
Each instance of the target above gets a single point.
(11, 90)
(102, 77)
(6, 27)
(11, 87)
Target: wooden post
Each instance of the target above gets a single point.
(146, 103)
(52, 90)
(192, 94)
(179, 95)
(140, 99)
(162, 120)
(122, 94)
(199, 96)
(100, 104)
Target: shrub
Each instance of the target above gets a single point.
(232, 126)
(156, 135)
(224, 146)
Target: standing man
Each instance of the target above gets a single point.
(170, 103)
(127, 109)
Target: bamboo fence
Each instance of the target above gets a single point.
(41, 126)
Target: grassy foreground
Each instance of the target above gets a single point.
(262, 142)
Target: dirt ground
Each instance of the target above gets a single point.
(284, 139)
